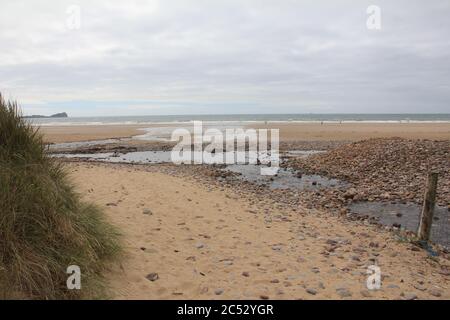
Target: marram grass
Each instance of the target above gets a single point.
(44, 225)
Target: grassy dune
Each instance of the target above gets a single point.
(44, 225)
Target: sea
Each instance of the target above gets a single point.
(245, 118)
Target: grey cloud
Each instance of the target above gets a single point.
(273, 56)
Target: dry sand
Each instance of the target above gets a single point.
(358, 131)
(209, 243)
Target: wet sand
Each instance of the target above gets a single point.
(288, 132)
(58, 134)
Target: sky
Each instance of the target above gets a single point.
(153, 57)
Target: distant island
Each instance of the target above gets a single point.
(56, 115)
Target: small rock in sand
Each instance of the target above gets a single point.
(435, 292)
(343, 292)
(218, 291)
(366, 293)
(152, 276)
(147, 211)
(311, 291)
(246, 274)
(408, 295)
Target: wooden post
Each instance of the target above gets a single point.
(426, 217)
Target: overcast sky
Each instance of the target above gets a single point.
(196, 57)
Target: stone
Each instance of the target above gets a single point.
(343, 292)
(246, 274)
(408, 296)
(435, 292)
(311, 291)
(218, 291)
(366, 293)
(111, 204)
(420, 287)
(152, 276)
(275, 281)
(147, 211)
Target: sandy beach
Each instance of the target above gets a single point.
(57, 134)
(359, 131)
(188, 237)
(209, 242)
(288, 132)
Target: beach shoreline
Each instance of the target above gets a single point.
(289, 132)
(224, 238)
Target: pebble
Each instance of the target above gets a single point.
(152, 276)
(218, 291)
(435, 292)
(147, 211)
(366, 293)
(246, 274)
(264, 297)
(409, 296)
(420, 287)
(311, 291)
(343, 292)
(275, 281)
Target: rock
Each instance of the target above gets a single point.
(366, 293)
(275, 281)
(435, 292)
(331, 242)
(350, 193)
(311, 291)
(147, 211)
(264, 297)
(277, 247)
(111, 204)
(152, 276)
(393, 286)
(343, 292)
(315, 270)
(218, 291)
(246, 274)
(408, 296)
(420, 287)
(199, 245)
